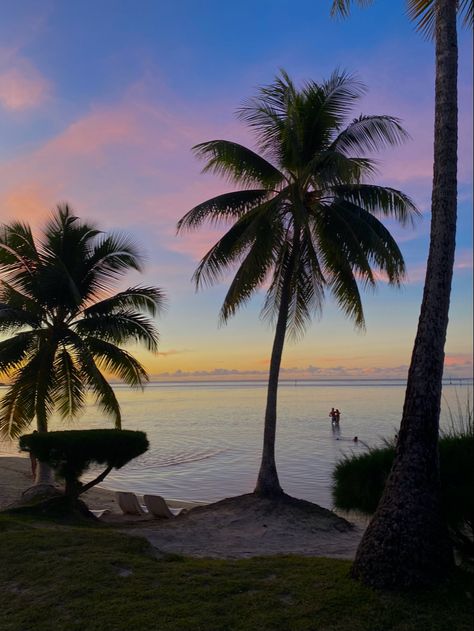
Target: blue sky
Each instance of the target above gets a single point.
(100, 103)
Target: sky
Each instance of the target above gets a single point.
(101, 102)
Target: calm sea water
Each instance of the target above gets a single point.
(206, 438)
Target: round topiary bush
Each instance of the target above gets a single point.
(71, 453)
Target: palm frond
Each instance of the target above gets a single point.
(69, 394)
(365, 242)
(17, 409)
(118, 362)
(12, 320)
(307, 287)
(254, 268)
(343, 286)
(33, 384)
(15, 350)
(17, 246)
(466, 10)
(381, 201)
(150, 300)
(96, 382)
(423, 13)
(370, 133)
(222, 208)
(237, 164)
(339, 94)
(19, 300)
(126, 326)
(111, 257)
(330, 168)
(342, 8)
(235, 243)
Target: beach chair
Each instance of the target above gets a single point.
(129, 504)
(100, 513)
(159, 508)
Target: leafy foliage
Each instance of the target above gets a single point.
(304, 209)
(71, 453)
(67, 327)
(359, 480)
(422, 12)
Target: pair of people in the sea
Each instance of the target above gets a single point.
(335, 415)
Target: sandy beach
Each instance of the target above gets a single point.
(233, 528)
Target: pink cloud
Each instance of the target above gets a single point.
(22, 87)
(92, 134)
(461, 369)
(463, 262)
(129, 161)
(31, 199)
(458, 360)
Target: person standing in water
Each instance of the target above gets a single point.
(337, 416)
(332, 415)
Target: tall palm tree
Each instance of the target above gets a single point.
(67, 328)
(407, 541)
(305, 220)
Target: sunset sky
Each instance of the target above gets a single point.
(101, 102)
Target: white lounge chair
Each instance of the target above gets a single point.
(159, 508)
(100, 513)
(129, 504)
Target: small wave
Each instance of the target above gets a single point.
(154, 460)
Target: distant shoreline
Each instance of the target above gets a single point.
(342, 381)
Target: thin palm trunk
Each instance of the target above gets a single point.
(44, 473)
(268, 484)
(407, 541)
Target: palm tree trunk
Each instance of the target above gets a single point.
(44, 473)
(268, 484)
(407, 542)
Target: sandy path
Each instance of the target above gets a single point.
(246, 526)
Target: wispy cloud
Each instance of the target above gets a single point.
(462, 263)
(459, 365)
(22, 86)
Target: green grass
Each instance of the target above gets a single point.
(57, 577)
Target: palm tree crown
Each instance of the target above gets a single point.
(304, 201)
(54, 298)
(306, 219)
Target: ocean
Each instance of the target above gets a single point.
(206, 438)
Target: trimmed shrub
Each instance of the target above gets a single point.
(71, 453)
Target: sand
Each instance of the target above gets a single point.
(239, 527)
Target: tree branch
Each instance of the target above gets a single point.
(96, 480)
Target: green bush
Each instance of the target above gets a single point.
(358, 481)
(71, 453)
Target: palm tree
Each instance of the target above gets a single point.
(407, 542)
(54, 298)
(305, 220)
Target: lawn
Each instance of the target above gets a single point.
(57, 577)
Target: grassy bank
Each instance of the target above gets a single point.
(57, 577)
